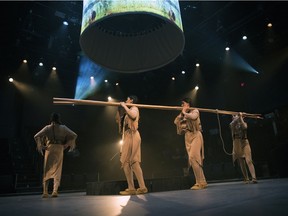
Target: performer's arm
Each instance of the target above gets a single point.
(194, 114)
(243, 123)
(132, 112)
(234, 121)
(38, 139)
(178, 118)
(71, 138)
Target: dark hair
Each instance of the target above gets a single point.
(188, 100)
(56, 118)
(134, 98)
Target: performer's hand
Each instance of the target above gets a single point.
(235, 118)
(40, 151)
(123, 104)
(185, 108)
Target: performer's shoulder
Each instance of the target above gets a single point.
(195, 110)
(135, 108)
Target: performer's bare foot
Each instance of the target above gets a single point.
(142, 191)
(54, 194)
(45, 195)
(128, 192)
(198, 187)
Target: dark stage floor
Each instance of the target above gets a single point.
(268, 197)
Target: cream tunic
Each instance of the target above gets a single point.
(241, 146)
(190, 125)
(131, 149)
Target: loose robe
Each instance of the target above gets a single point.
(131, 149)
(241, 146)
(53, 137)
(189, 124)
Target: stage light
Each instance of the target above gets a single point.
(11, 79)
(117, 84)
(183, 72)
(173, 78)
(65, 23)
(197, 65)
(106, 81)
(25, 61)
(41, 64)
(269, 25)
(227, 48)
(109, 98)
(244, 37)
(92, 78)
(54, 68)
(196, 88)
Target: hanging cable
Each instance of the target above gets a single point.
(220, 134)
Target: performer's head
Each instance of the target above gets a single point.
(188, 101)
(55, 118)
(132, 98)
(237, 116)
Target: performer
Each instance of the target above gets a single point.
(241, 147)
(54, 139)
(188, 124)
(130, 157)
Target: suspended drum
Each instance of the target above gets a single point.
(131, 36)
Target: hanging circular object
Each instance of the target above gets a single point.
(131, 36)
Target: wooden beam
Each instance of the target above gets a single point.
(68, 101)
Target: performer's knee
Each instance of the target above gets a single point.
(249, 161)
(193, 162)
(126, 166)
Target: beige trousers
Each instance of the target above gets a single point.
(195, 150)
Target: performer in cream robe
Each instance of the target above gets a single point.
(54, 139)
(241, 147)
(131, 149)
(188, 124)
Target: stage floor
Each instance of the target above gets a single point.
(268, 197)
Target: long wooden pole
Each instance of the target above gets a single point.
(69, 101)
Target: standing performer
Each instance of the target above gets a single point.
(188, 123)
(130, 157)
(241, 147)
(54, 138)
